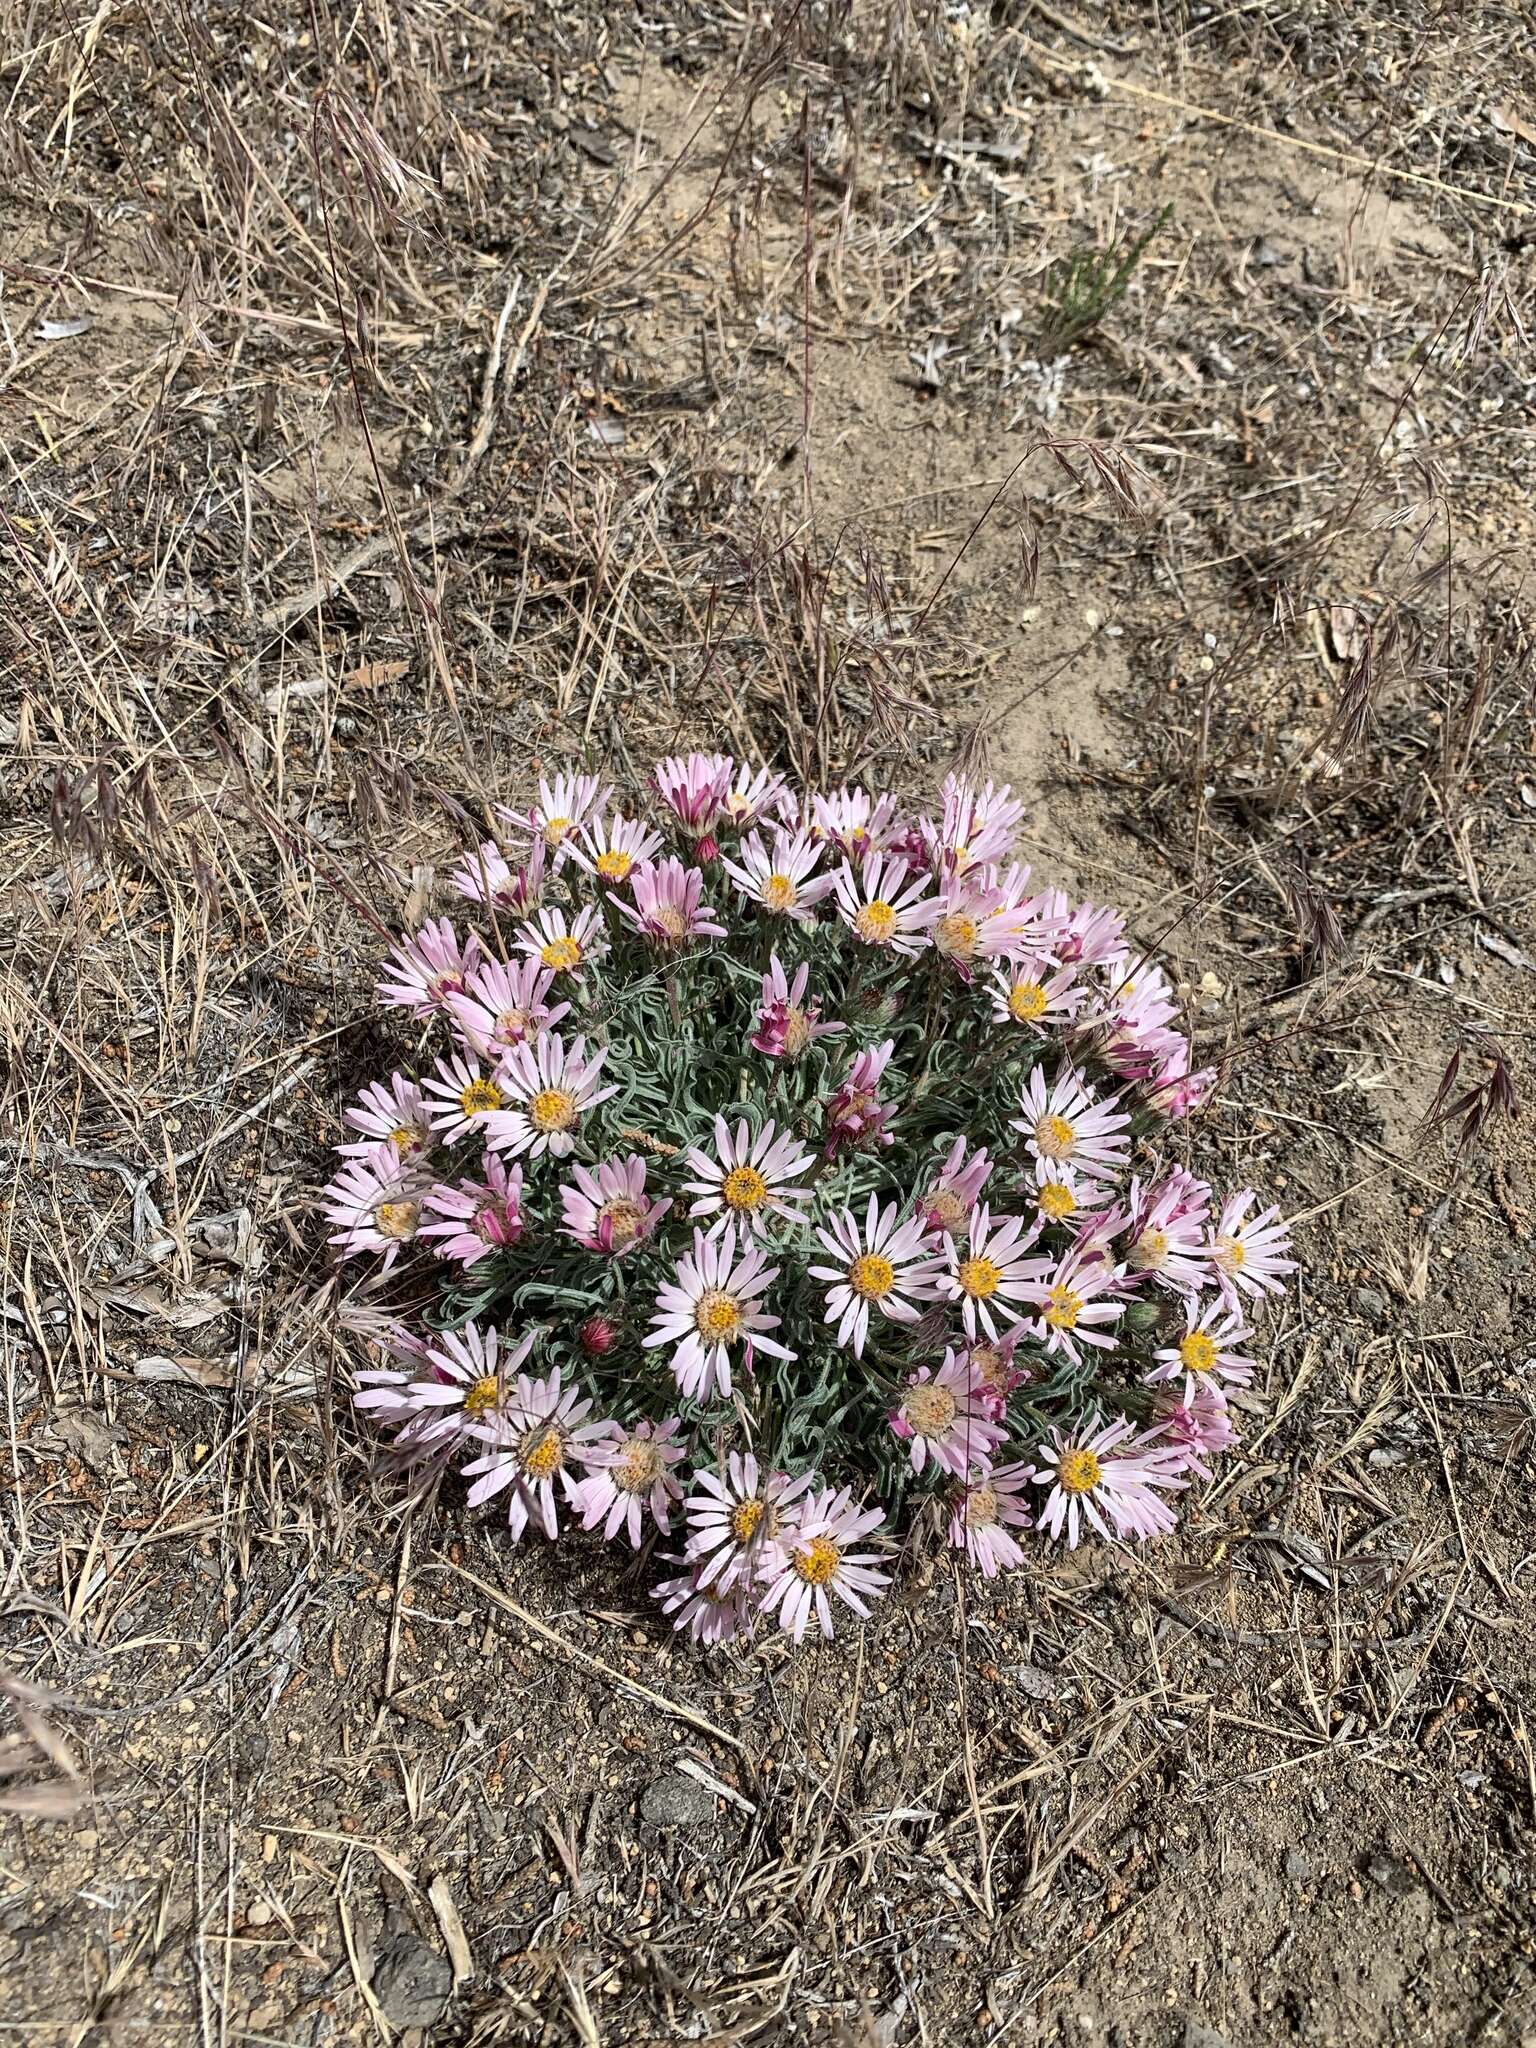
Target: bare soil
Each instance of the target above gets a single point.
(393, 405)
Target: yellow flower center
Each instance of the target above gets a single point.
(929, 1409)
(875, 922)
(947, 1207)
(1063, 1308)
(405, 1137)
(552, 1109)
(871, 1276)
(1054, 1137)
(623, 1218)
(744, 1189)
(779, 893)
(981, 1507)
(396, 1219)
(561, 954)
(1026, 1001)
(1197, 1351)
(544, 1455)
(746, 1519)
(979, 1278)
(1057, 1200)
(962, 856)
(797, 1030)
(818, 1561)
(1231, 1255)
(555, 830)
(717, 1317)
(1078, 1471)
(613, 866)
(482, 1396)
(1150, 1251)
(956, 935)
(638, 1470)
(479, 1097)
(670, 921)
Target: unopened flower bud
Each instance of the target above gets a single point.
(597, 1336)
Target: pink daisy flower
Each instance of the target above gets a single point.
(943, 1418)
(737, 1520)
(750, 1177)
(608, 1211)
(694, 788)
(476, 1218)
(1096, 1232)
(449, 1387)
(954, 1194)
(562, 944)
(996, 1372)
(882, 1266)
(484, 877)
(822, 1559)
(504, 1004)
(1206, 1354)
(754, 794)
(1035, 994)
(669, 906)
(977, 825)
(394, 1112)
(715, 1301)
(564, 806)
(855, 822)
(1173, 1090)
(711, 1611)
(992, 1270)
(781, 881)
(1116, 1486)
(1089, 936)
(786, 1023)
(1196, 1428)
(1079, 1299)
(548, 1087)
(1167, 1232)
(1064, 1124)
(1248, 1253)
(989, 1508)
(856, 1117)
(375, 1202)
(885, 905)
(628, 1474)
(425, 970)
(459, 1096)
(609, 847)
(535, 1436)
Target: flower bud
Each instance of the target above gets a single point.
(706, 849)
(597, 1336)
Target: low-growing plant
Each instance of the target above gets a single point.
(790, 1163)
(1079, 290)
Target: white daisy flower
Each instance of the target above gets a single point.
(1065, 1124)
(548, 1088)
(780, 881)
(749, 1178)
(989, 1270)
(885, 904)
(884, 1265)
(715, 1301)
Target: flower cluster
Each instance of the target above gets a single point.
(785, 1163)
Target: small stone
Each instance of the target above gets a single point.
(1395, 1878)
(1297, 1866)
(1198, 2035)
(1371, 1302)
(411, 1981)
(677, 1802)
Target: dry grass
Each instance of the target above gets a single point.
(462, 389)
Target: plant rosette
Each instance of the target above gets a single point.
(776, 1166)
